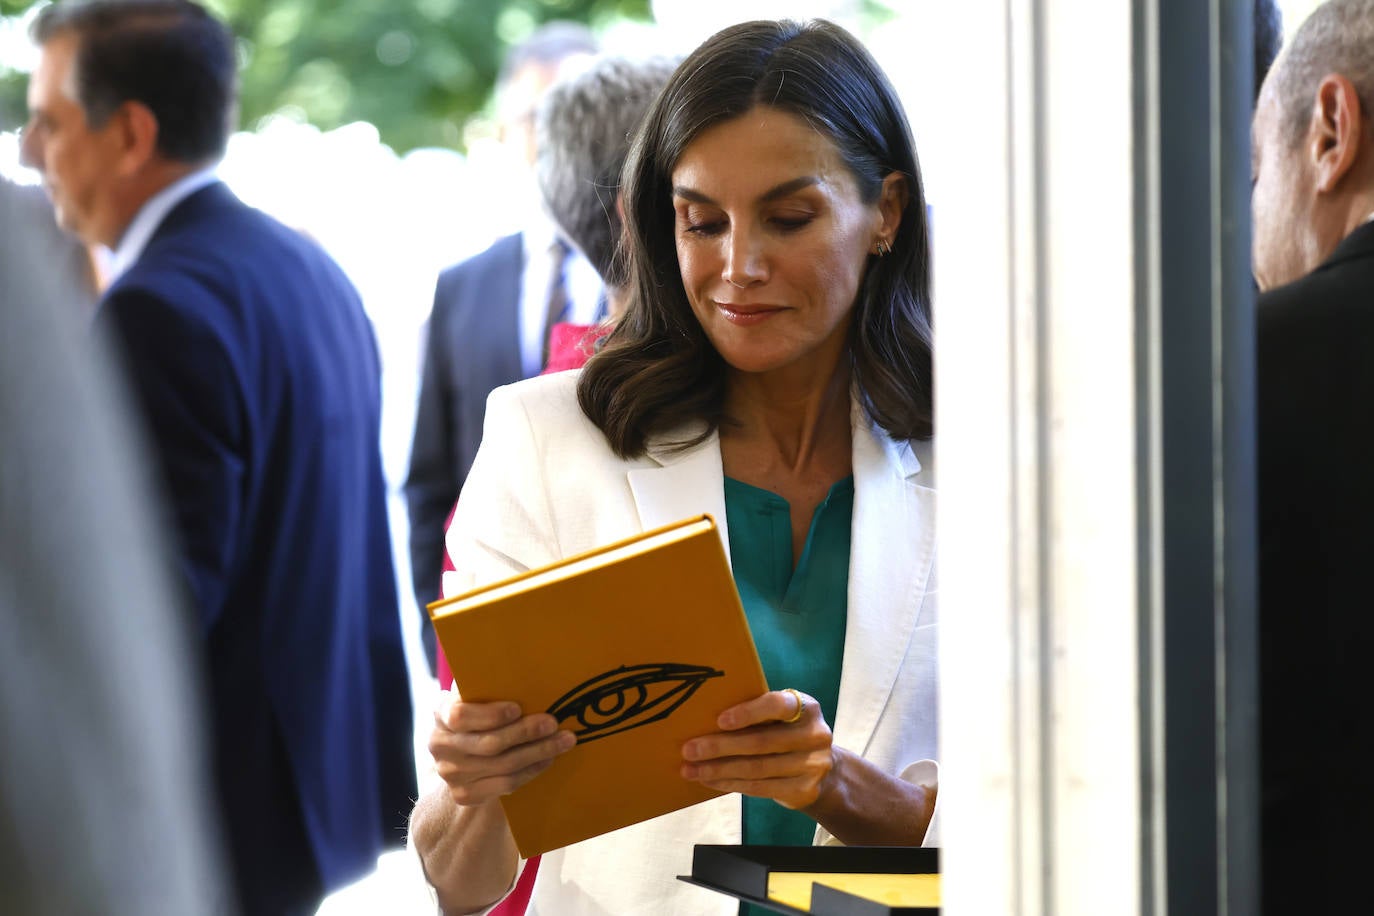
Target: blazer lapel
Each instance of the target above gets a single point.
(681, 484)
(891, 556)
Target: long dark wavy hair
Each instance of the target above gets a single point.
(658, 370)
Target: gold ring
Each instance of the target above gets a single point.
(801, 706)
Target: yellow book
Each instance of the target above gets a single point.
(795, 889)
(635, 647)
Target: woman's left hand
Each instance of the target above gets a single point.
(775, 746)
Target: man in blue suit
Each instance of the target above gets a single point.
(259, 381)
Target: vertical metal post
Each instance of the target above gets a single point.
(1197, 385)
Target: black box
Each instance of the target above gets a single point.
(742, 872)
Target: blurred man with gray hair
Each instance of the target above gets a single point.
(1313, 199)
(584, 130)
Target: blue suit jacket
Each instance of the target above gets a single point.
(259, 375)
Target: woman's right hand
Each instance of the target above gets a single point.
(485, 750)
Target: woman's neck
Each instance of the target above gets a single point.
(792, 423)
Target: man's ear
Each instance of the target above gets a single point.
(136, 135)
(1337, 131)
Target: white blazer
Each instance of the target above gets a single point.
(545, 484)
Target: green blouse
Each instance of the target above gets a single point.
(797, 615)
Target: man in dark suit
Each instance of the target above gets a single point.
(258, 377)
(489, 319)
(1313, 198)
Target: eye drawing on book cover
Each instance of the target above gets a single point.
(628, 697)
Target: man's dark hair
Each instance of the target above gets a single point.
(1268, 38)
(169, 55)
(658, 370)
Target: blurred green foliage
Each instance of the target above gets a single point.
(417, 69)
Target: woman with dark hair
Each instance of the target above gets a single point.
(773, 369)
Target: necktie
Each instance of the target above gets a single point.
(557, 305)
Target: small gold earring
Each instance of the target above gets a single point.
(883, 248)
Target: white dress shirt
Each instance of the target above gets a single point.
(583, 286)
(151, 215)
